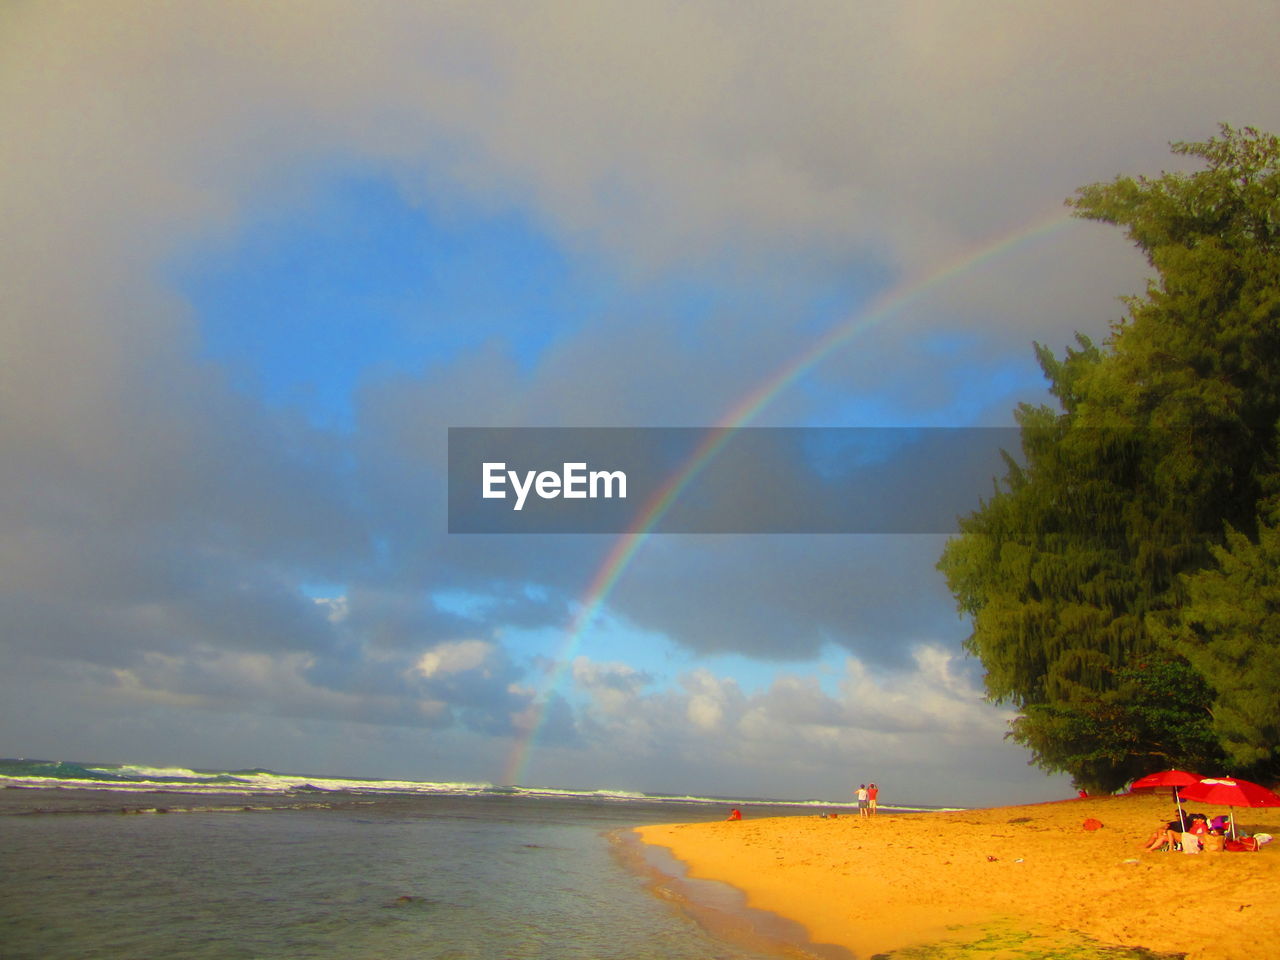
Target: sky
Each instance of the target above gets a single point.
(259, 258)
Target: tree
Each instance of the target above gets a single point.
(1156, 718)
(1072, 573)
(1229, 632)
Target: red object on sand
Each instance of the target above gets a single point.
(1229, 792)
(1092, 824)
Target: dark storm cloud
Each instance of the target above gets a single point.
(784, 598)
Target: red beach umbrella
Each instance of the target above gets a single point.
(1229, 792)
(1169, 778)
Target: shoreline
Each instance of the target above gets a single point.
(718, 908)
(901, 881)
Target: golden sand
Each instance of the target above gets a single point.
(897, 881)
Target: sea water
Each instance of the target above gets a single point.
(323, 873)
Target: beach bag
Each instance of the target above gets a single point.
(1244, 844)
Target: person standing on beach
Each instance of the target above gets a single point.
(872, 793)
(862, 800)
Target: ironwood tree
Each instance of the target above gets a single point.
(1078, 573)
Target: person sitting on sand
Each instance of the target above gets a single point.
(1169, 832)
(734, 814)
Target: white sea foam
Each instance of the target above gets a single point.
(138, 778)
(143, 773)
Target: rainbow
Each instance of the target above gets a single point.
(739, 415)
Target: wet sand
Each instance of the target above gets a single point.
(900, 881)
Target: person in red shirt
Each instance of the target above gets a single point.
(735, 814)
(872, 792)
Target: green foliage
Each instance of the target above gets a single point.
(1156, 718)
(1229, 631)
(1072, 573)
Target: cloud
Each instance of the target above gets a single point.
(783, 597)
(219, 681)
(844, 125)
(612, 687)
(337, 608)
(458, 657)
(910, 727)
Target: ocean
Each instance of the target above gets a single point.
(114, 861)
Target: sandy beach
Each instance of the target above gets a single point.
(1052, 889)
